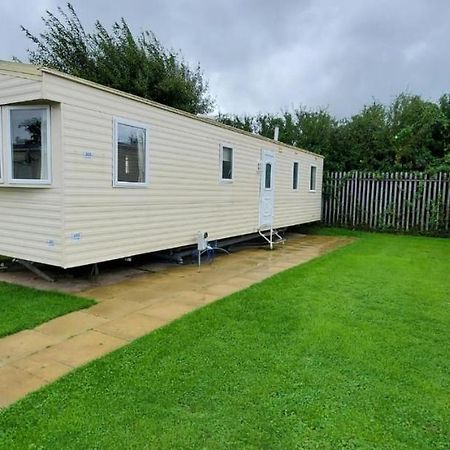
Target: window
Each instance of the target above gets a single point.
(131, 153)
(312, 178)
(295, 176)
(29, 142)
(226, 163)
(268, 176)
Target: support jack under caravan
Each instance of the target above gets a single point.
(178, 255)
(32, 268)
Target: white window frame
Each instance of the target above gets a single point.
(9, 149)
(315, 181)
(298, 176)
(131, 123)
(221, 147)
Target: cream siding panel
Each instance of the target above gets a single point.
(296, 206)
(31, 217)
(31, 224)
(15, 89)
(184, 194)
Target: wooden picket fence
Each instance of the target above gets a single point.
(401, 201)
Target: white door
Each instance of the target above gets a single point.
(266, 198)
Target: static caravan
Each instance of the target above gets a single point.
(90, 174)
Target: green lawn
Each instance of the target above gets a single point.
(22, 308)
(349, 351)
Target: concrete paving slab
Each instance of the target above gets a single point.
(47, 369)
(168, 310)
(241, 282)
(16, 383)
(194, 298)
(24, 343)
(71, 324)
(83, 348)
(112, 309)
(220, 289)
(190, 297)
(131, 327)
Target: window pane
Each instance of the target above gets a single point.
(312, 180)
(268, 180)
(29, 144)
(295, 176)
(227, 163)
(131, 154)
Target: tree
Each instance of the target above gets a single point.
(312, 130)
(137, 65)
(418, 129)
(317, 131)
(245, 122)
(444, 105)
(411, 134)
(368, 140)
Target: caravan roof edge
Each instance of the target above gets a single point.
(35, 72)
(22, 70)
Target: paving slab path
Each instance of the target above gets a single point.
(134, 307)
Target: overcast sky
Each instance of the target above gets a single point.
(262, 56)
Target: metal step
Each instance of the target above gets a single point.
(269, 237)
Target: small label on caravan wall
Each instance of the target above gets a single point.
(88, 155)
(76, 236)
(51, 243)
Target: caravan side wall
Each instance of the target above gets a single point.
(184, 194)
(30, 216)
(296, 206)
